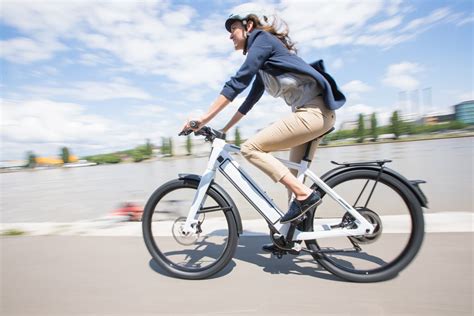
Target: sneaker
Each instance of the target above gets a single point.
(275, 250)
(298, 208)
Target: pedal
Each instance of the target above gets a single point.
(297, 247)
(279, 254)
(294, 248)
(277, 236)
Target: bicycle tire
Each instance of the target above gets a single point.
(399, 262)
(163, 258)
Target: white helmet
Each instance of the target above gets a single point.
(242, 16)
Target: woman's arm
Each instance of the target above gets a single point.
(218, 105)
(259, 52)
(237, 116)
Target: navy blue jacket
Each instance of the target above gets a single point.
(268, 53)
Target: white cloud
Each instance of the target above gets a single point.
(428, 21)
(91, 91)
(334, 18)
(45, 72)
(402, 76)
(46, 121)
(149, 110)
(354, 89)
(23, 50)
(44, 126)
(345, 22)
(146, 37)
(386, 25)
(338, 63)
(391, 32)
(176, 42)
(393, 7)
(356, 86)
(90, 59)
(466, 20)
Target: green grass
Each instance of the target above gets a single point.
(13, 232)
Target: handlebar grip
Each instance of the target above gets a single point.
(194, 124)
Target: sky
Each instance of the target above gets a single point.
(102, 76)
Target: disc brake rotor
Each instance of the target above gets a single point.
(180, 236)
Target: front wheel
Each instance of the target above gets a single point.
(194, 256)
(393, 210)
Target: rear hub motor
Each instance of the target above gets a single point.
(372, 218)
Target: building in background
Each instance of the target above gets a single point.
(348, 125)
(351, 125)
(435, 119)
(464, 112)
(54, 161)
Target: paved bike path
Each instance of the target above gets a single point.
(74, 275)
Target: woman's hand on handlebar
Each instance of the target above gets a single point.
(191, 126)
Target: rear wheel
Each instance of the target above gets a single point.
(194, 256)
(393, 210)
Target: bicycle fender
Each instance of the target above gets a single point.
(413, 185)
(222, 193)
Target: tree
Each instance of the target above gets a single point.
(31, 160)
(148, 148)
(361, 129)
(164, 146)
(189, 145)
(396, 124)
(65, 155)
(237, 140)
(137, 156)
(170, 143)
(373, 127)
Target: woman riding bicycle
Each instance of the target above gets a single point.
(274, 67)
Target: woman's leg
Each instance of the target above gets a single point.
(296, 155)
(297, 129)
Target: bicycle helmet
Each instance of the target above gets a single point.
(242, 16)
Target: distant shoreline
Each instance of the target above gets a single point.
(400, 140)
(388, 141)
(330, 145)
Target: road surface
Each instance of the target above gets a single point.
(84, 275)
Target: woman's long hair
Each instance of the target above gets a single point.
(279, 28)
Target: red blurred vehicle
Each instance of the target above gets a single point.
(129, 209)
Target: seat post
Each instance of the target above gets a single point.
(310, 144)
(308, 150)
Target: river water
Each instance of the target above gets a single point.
(64, 195)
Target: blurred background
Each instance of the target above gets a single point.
(94, 93)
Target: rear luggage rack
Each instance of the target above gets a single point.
(362, 163)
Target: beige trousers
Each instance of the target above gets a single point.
(293, 131)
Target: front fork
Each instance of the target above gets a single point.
(190, 226)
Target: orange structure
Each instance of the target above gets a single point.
(53, 161)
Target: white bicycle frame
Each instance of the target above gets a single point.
(220, 159)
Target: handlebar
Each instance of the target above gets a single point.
(209, 133)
